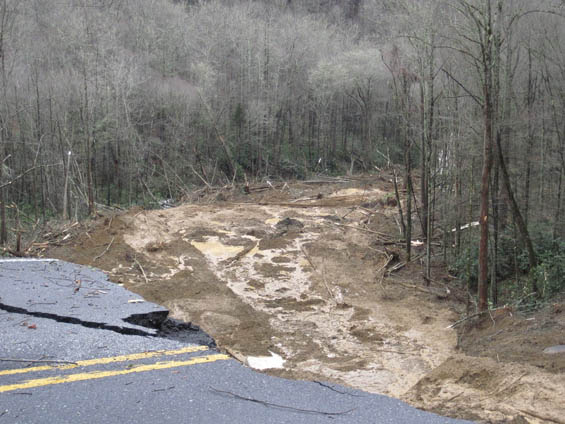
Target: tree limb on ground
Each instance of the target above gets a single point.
(141, 269)
(105, 250)
(323, 276)
(541, 416)
(241, 254)
(467, 318)
(421, 289)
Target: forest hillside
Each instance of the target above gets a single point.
(122, 103)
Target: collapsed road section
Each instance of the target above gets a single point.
(76, 348)
(81, 295)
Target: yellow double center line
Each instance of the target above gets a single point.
(103, 374)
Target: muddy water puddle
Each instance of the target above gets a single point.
(215, 250)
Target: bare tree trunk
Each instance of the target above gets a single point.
(495, 234)
(485, 182)
(86, 123)
(557, 222)
(4, 18)
(409, 190)
(399, 202)
(3, 227)
(532, 258)
(85, 115)
(405, 100)
(541, 182)
(427, 116)
(430, 206)
(66, 186)
(424, 180)
(530, 98)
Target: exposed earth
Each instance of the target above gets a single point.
(314, 272)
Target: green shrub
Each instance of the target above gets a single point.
(549, 275)
(466, 264)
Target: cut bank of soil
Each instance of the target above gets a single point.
(302, 272)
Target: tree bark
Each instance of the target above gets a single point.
(557, 226)
(532, 258)
(3, 226)
(495, 233)
(483, 220)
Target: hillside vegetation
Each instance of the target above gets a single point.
(128, 102)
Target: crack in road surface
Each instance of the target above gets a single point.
(88, 299)
(167, 328)
(72, 320)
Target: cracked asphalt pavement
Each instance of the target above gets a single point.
(76, 348)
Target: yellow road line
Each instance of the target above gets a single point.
(103, 374)
(108, 360)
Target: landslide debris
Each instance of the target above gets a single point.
(314, 272)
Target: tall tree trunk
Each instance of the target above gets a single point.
(66, 185)
(424, 179)
(409, 191)
(85, 115)
(86, 124)
(4, 17)
(495, 234)
(532, 258)
(530, 99)
(3, 226)
(485, 182)
(557, 225)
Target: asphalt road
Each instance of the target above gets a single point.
(75, 348)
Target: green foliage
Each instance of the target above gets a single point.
(238, 117)
(466, 264)
(245, 159)
(334, 166)
(549, 275)
(512, 257)
(28, 213)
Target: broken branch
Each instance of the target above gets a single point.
(141, 269)
(542, 417)
(421, 289)
(105, 250)
(201, 177)
(509, 386)
(456, 323)
(316, 269)
(392, 351)
(241, 254)
(383, 269)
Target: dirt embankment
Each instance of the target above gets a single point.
(304, 271)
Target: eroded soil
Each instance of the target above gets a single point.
(310, 272)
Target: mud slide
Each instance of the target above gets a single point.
(298, 281)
